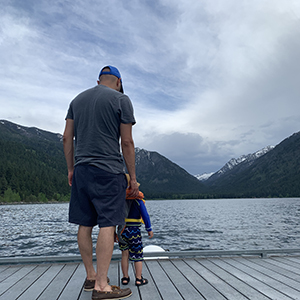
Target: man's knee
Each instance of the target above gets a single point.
(84, 230)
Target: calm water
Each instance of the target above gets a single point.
(227, 224)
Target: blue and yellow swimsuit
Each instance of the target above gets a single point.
(132, 235)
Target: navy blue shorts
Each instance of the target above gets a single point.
(97, 197)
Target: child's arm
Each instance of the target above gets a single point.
(145, 215)
(150, 234)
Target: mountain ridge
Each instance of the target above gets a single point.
(39, 154)
(33, 168)
(245, 160)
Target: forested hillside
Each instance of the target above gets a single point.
(275, 174)
(32, 165)
(33, 169)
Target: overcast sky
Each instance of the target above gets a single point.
(209, 80)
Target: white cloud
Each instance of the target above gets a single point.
(209, 80)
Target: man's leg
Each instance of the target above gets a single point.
(85, 244)
(104, 250)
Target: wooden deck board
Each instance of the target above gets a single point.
(242, 288)
(8, 271)
(226, 278)
(164, 285)
(131, 273)
(59, 282)
(196, 281)
(283, 276)
(180, 281)
(223, 288)
(279, 267)
(75, 285)
(267, 285)
(250, 279)
(36, 289)
(20, 286)
(10, 281)
(283, 284)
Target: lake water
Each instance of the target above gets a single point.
(225, 224)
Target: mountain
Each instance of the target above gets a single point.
(273, 174)
(32, 163)
(239, 164)
(33, 168)
(160, 178)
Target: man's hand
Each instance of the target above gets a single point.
(133, 189)
(70, 177)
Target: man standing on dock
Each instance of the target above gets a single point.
(98, 118)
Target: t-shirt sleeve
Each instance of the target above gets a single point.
(70, 113)
(127, 114)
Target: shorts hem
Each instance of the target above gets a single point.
(82, 224)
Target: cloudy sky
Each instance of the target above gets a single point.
(210, 80)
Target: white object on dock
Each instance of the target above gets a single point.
(154, 249)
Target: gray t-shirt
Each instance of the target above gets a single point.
(97, 114)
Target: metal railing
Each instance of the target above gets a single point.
(154, 255)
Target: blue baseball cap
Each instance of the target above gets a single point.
(112, 71)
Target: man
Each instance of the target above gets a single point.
(98, 118)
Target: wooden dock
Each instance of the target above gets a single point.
(236, 277)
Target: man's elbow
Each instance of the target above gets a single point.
(128, 143)
(64, 139)
(67, 139)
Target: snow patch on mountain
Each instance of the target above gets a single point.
(250, 158)
(204, 176)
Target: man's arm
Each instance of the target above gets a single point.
(68, 141)
(127, 146)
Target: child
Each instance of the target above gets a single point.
(130, 242)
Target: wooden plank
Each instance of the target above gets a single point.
(84, 295)
(193, 278)
(165, 286)
(3, 268)
(22, 285)
(288, 261)
(261, 282)
(179, 280)
(286, 285)
(286, 264)
(197, 280)
(240, 286)
(281, 268)
(35, 290)
(74, 286)
(113, 273)
(9, 271)
(294, 259)
(196, 273)
(226, 290)
(149, 291)
(55, 288)
(131, 285)
(14, 278)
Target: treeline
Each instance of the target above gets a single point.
(9, 196)
(32, 175)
